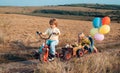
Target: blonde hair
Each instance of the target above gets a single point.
(53, 20)
(80, 34)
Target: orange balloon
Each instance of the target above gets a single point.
(106, 20)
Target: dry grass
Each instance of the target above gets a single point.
(22, 28)
(19, 34)
(1, 33)
(94, 63)
(1, 38)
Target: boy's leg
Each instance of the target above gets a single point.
(40, 49)
(74, 51)
(52, 47)
(86, 48)
(52, 50)
(95, 49)
(91, 49)
(48, 42)
(42, 46)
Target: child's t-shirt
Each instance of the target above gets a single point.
(49, 31)
(84, 41)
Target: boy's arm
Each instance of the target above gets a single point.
(46, 32)
(57, 32)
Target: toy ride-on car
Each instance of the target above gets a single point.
(69, 51)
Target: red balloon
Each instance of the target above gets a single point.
(106, 21)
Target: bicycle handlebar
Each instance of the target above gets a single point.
(40, 34)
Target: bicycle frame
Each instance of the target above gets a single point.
(45, 50)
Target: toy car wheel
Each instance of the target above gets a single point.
(57, 55)
(67, 55)
(80, 53)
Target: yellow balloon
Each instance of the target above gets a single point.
(93, 31)
(104, 29)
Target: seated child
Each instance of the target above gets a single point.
(85, 43)
(54, 39)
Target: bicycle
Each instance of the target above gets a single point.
(45, 55)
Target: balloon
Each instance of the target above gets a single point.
(104, 29)
(97, 22)
(99, 37)
(93, 31)
(106, 21)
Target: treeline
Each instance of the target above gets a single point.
(115, 15)
(78, 13)
(96, 6)
(63, 12)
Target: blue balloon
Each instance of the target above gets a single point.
(97, 22)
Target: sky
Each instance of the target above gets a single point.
(53, 2)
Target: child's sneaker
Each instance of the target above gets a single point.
(52, 59)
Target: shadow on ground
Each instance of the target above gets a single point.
(19, 52)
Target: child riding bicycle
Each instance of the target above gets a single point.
(54, 33)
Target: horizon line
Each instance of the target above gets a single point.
(52, 5)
